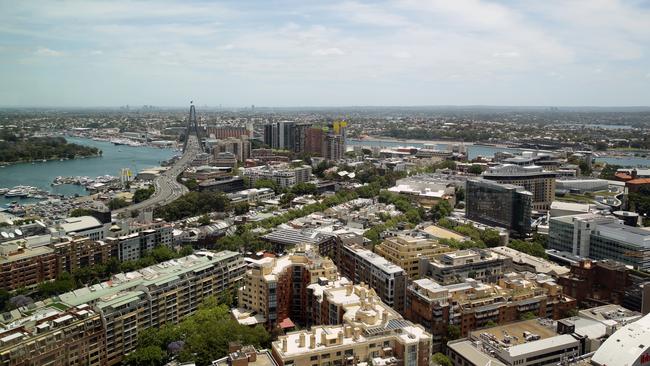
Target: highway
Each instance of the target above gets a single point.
(167, 188)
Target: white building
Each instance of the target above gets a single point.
(87, 226)
(251, 195)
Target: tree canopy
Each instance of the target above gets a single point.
(201, 338)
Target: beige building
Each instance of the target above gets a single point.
(164, 293)
(274, 290)
(533, 178)
(371, 331)
(52, 335)
(406, 251)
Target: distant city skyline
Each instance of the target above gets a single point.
(340, 53)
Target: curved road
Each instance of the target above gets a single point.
(166, 185)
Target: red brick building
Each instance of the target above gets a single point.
(596, 283)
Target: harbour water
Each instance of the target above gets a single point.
(482, 150)
(113, 159)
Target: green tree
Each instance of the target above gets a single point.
(117, 203)
(143, 194)
(439, 359)
(304, 188)
(608, 172)
(77, 212)
(453, 332)
(528, 316)
(204, 220)
(285, 200)
(267, 183)
(442, 209)
(241, 208)
(491, 238)
(475, 169)
(533, 248)
(490, 324)
(191, 184)
(146, 356)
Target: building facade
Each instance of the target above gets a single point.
(473, 304)
(600, 237)
(165, 293)
(497, 204)
(52, 335)
(370, 331)
(274, 291)
(407, 251)
(534, 179)
(26, 267)
(363, 266)
(455, 267)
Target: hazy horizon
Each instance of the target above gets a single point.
(291, 54)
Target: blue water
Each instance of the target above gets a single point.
(488, 151)
(113, 159)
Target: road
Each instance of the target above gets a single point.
(166, 185)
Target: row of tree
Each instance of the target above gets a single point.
(193, 204)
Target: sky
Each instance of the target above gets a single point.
(325, 53)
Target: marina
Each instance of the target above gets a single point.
(42, 176)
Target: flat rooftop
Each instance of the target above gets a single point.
(442, 233)
(515, 331)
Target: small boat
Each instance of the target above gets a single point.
(16, 193)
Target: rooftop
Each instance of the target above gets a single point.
(442, 233)
(626, 346)
(124, 286)
(81, 223)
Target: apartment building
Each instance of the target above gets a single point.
(533, 178)
(80, 252)
(407, 251)
(456, 266)
(52, 335)
(251, 195)
(472, 304)
(156, 295)
(284, 175)
(135, 244)
(23, 266)
(239, 147)
(387, 279)
(371, 332)
(596, 282)
(274, 291)
(523, 262)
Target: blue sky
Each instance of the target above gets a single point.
(325, 53)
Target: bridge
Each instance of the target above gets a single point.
(167, 188)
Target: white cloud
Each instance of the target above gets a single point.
(402, 55)
(328, 51)
(507, 54)
(44, 51)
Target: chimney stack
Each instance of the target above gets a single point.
(284, 344)
(301, 340)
